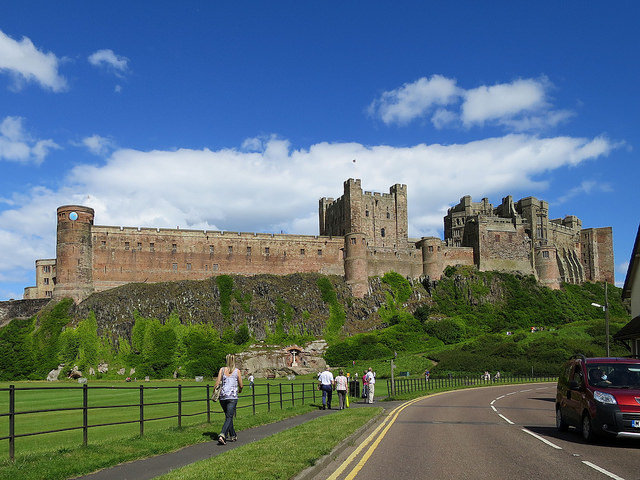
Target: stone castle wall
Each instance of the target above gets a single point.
(362, 234)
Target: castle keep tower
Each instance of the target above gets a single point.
(74, 253)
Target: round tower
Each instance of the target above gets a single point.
(74, 253)
(547, 266)
(355, 264)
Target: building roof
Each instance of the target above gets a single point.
(634, 264)
(630, 330)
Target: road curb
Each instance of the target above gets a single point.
(324, 461)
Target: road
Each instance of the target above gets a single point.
(505, 432)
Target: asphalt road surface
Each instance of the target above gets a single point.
(505, 432)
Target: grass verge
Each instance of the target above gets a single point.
(282, 455)
(63, 463)
(422, 393)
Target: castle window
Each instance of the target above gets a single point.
(139, 246)
(103, 243)
(382, 232)
(302, 251)
(248, 251)
(430, 248)
(206, 267)
(319, 252)
(152, 247)
(211, 249)
(175, 267)
(266, 250)
(46, 281)
(366, 213)
(353, 241)
(46, 268)
(497, 238)
(188, 266)
(126, 245)
(47, 293)
(230, 249)
(174, 247)
(545, 254)
(214, 267)
(388, 215)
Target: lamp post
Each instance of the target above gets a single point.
(605, 309)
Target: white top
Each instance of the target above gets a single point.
(326, 378)
(229, 388)
(341, 382)
(251, 378)
(371, 377)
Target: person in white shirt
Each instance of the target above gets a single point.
(326, 384)
(371, 381)
(341, 388)
(251, 379)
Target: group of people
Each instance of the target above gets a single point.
(486, 376)
(230, 383)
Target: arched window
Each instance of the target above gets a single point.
(382, 232)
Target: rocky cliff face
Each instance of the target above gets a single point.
(20, 309)
(259, 300)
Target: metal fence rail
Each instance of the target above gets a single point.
(282, 394)
(409, 385)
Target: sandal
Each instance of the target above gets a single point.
(234, 438)
(221, 440)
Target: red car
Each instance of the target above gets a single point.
(599, 396)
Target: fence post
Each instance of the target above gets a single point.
(313, 389)
(85, 414)
(268, 397)
(179, 406)
(280, 395)
(303, 384)
(208, 405)
(253, 399)
(293, 396)
(141, 410)
(12, 421)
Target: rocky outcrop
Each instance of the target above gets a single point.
(259, 300)
(270, 360)
(20, 309)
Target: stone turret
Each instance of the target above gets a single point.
(355, 264)
(74, 253)
(546, 265)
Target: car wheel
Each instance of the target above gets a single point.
(587, 428)
(560, 423)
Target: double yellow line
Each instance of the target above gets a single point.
(384, 426)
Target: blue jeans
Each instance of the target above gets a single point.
(327, 392)
(229, 407)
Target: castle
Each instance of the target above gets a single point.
(362, 234)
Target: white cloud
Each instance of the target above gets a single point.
(522, 105)
(277, 188)
(18, 146)
(586, 187)
(97, 145)
(25, 63)
(622, 268)
(106, 58)
(414, 99)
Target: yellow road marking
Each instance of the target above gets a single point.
(391, 418)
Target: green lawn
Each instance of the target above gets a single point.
(41, 395)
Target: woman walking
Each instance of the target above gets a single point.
(231, 381)
(341, 388)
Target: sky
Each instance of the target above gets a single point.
(239, 116)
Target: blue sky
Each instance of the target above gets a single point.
(240, 115)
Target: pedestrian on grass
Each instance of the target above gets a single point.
(371, 383)
(251, 380)
(365, 386)
(326, 384)
(231, 380)
(341, 388)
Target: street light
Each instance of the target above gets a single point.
(605, 309)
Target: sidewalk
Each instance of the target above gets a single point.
(152, 467)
